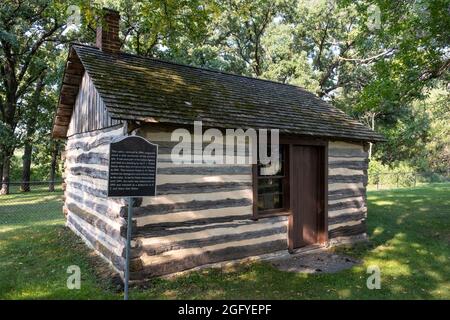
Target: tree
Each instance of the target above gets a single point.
(150, 28)
(414, 36)
(377, 73)
(31, 122)
(26, 26)
(244, 23)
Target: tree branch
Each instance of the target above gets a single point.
(436, 73)
(22, 89)
(333, 66)
(321, 45)
(35, 48)
(370, 59)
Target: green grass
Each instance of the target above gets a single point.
(410, 242)
(38, 207)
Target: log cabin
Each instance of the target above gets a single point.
(205, 213)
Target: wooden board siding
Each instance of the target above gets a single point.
(202, 215)
(347, 181)
(89, 111)
(98, 220)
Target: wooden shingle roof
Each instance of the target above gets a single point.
(147, 89)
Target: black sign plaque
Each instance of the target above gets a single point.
(132, 167)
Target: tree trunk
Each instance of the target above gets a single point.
(372, 125)
(1, 165)
(51, 186)
(26, 167)
(5, 174)
(32, 111)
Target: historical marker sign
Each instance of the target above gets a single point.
(132, 173)
(132, 167)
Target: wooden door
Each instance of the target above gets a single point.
(307, 221)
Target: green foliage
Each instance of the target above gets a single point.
(375, 169)
(40, 168)
(285, 64)
(42, 161)
(401, 175)
(436, 108)
(16, 168)
(386, 77)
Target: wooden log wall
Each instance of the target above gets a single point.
(203, 212)
(89, 112)
(202, 215)
(347, 181)
(98, 220)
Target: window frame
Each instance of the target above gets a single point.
(288, 142)
(285, 210)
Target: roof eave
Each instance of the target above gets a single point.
(73, 74)
(374, 137)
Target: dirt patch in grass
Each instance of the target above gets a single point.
(315, 262)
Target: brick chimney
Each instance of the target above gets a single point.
(108, 32)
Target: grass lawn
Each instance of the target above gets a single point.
(410, 242)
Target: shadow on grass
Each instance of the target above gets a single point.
(34, 262)
(409, 231)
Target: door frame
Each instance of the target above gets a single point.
(323, 182)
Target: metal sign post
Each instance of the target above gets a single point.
(128, 248)
(132, 173)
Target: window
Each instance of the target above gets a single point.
(272, 186)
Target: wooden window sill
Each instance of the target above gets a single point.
(264, 215)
